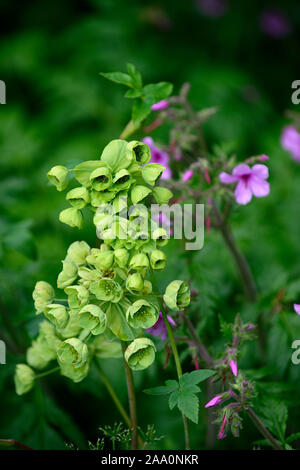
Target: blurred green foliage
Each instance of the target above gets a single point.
(61, 111)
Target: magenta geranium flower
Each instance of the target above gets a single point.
(297, 308)
(163, 104)
(233, 367)
(159, 156)
(251, 181)
(290, 141)
(160, 329)
(214, 401)
(187, 175)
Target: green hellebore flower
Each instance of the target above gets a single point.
(75, 373)
(160, 235)
(34, 357)
(139, 193)
(152, 172)
(98, 198)
(78, 296)
(83, 171)
(122, 180)
(162, 195)
(42, 351)
(24, 379)
(102, 260)
(77, 252)
(47, 334)
(121, 257)
(116, 155)
(158, 260)
(147, 287)
(93, 318)
(72, 328)
(58, 175)
(71, 216)
(89, 275)
(177, 295)
(103, 220)
(142, 314)
(139, 261)
(68, 274)
(140, 151)
(135, 283)
(78, 197)
(73, 351)
(140, 353)
(57, 314)
(106, 289)
(42, 295)
(101, 179)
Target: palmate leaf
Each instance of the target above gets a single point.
(188, 403)
(170, 386)
(195, 377)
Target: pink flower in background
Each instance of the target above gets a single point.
(160, 329)
(290, 141)
(264, 158)
(214, 401)
(297, 308)
(222, 434)
(212, 8)
(251, 181)
(275, 23)
(187, 175)
(233, 367)
(163, 104)
(158, 156)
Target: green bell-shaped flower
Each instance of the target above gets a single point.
(92, 318)
(73, 351)
(43, 349)
(102, 260)
(83, 171)
(71, 217)
(98, 198)
(177, 295)
(142, 314)
(116, 155)
(140, 354)
(160, 236)
(72, 328)
(75, 373)
(78, 197)
(77, 252)
(139, 262)
(121, 257)
(106, 289)
(43, 295)
(68, 274)
(58, 176)
(139, 193)
(140, 151)
(24, 379)
(57, 314)
(152, 172)
(162, 195)
(78, 296)
(122, 180)
(158, 260)
(101, 179)
(147, 287)
(135, 283)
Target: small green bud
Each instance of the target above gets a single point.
(101, 179)
(158, 260)
(160, 235)
(138, 193)
(135, 283)
(93, 318)
(24, 379)
(78, 296)
(139, 261)
(162, 195)
(152, 172)
(34, 357)
(121, 257)
(78, 197)
(72, 217)
(57, 314)
(48, 334)
(77, 252)
(68, 274)
(102, 260)
(122, 180)
(142, 314)
(140, 151)
(116, 155)
(58, 175)
(75, 373)
(107, 290)
(43, 349)
(73, 351)
(140, 354)
(83, 171)
(43, 294)
(147, 287)
(177, 295)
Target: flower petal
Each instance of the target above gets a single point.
(262, 171)
(226, 178)
(243, 193)
(297, 308)
(259, 186)
(241, 170)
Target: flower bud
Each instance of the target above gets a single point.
(177, 295)
(158, 260)
(72, 217)
(142, 314)
(58, 175)
(101, 179)
(122, 180)
(78, 296)
(93, 318)
(140, 353)
(78, 197)
(140, 151)
(77, 252)
(162, 195)
(68, 274)
(138, 193)
(135, 283)
(57, 314)
(102, 260)
(43, 295)
(73, 351)
(43, 350)
(116, 155)
(75, 373)
(160, 235)
(121, 257)
(139, 261)
(107, 290)
(24, 379)
(152, 172)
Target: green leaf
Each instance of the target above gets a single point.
(117, 323)
(140, 110)
(133, 93)
(158, 91)
(119, 77)
(293, 437)
(195, 377)
(188, 404)
(135, 76)
(171, 386)
(173, 399)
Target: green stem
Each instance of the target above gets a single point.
(13, 442)
(132, 401)
(263, 430)
(175, 353)
(48, 372)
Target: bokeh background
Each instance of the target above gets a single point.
(239, 56)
